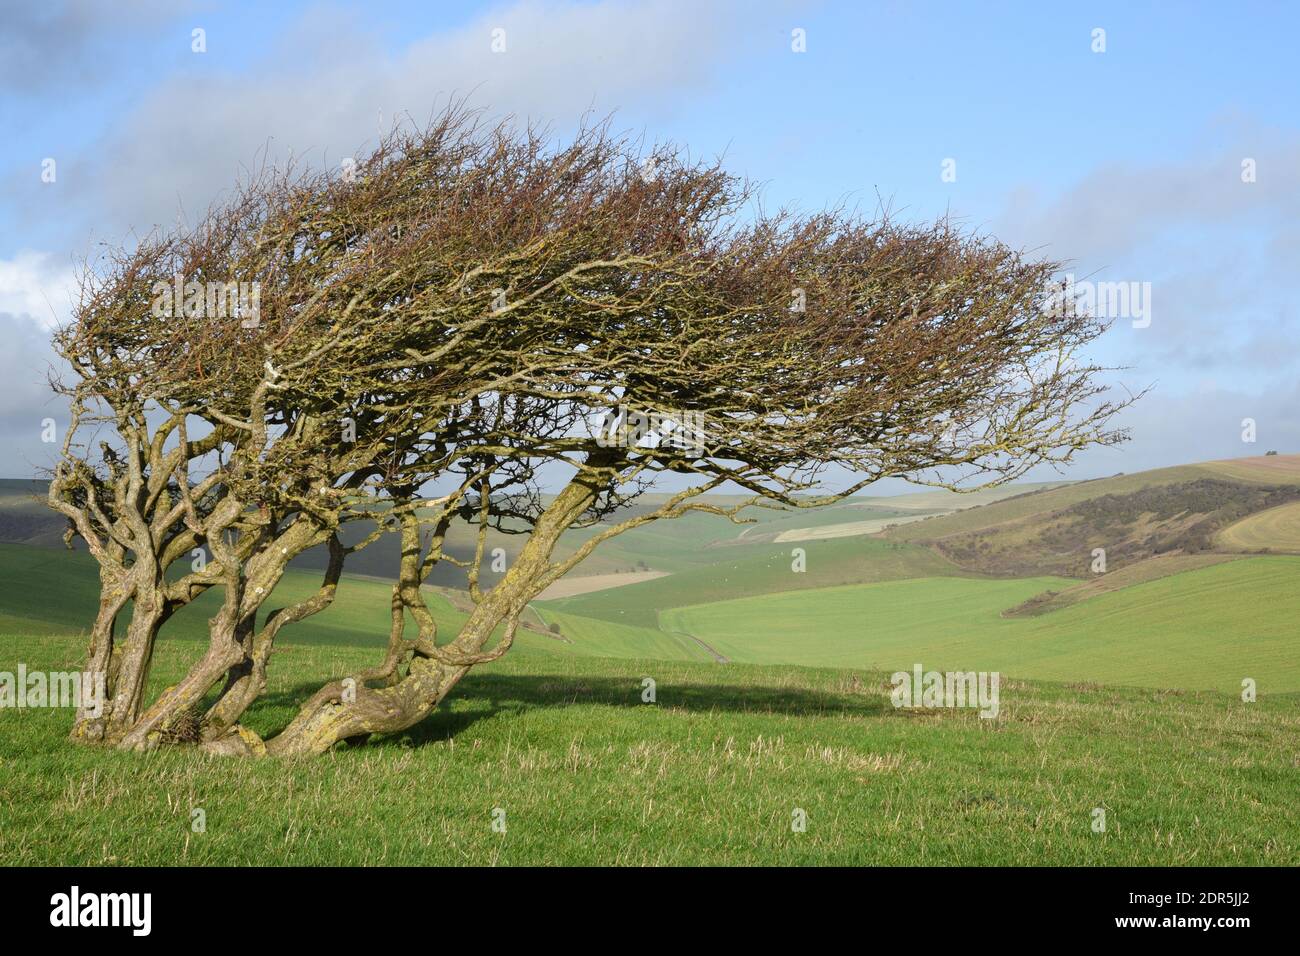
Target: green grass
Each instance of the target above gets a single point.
(772, 523)
(710, 774)
(49, 591)
(1277, 529)
(1125, 576)
(1199, 629)
(593, 638)
(46, 590)
(557, 734)
(1202, 629)
(884, 626)
(758, 570)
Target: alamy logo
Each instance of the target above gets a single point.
(1104, 300)
(208, 300)
(83, 690)
(935, 689)
(103, 909)
(671, 430)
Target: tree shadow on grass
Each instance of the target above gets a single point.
(483, 695)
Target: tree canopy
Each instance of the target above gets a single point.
(475, 323)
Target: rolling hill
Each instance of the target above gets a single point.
(1000, 579)
(1277, 529)
(1201, 629)
(1229, 507)
(758, 570)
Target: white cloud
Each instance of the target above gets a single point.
(1216, 250)
(37, 285)
(322, 90)
(36, 293)
(1118, 209)
(25, 397)
(319, 94)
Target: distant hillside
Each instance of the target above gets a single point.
(1245, 505)
(1176, 518)
(1201, 629)
(24, 516)
(1186, 600)
(761, 570)
(692, 541)
(1152, 525)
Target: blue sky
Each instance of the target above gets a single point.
(1127, 162)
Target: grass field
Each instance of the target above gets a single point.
(1119, 692)
(711, 773)
(1271, 469)
(592, 637)
(1268, 469)
(1202, 629)
(757, 571)
(1152, 569)
(681, 544)
(1277, 529)
(51, 591)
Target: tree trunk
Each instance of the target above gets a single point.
(89, 726)
(131, 665)
(338, 711)
(333, 714)
(177, 703)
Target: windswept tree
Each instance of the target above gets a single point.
(470, 317)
